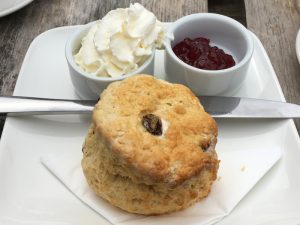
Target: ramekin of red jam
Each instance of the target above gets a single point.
(209, 53)
(199, 53)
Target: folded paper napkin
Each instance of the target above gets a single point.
(239, 171)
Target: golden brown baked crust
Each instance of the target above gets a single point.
(175, 157)
(145, 173)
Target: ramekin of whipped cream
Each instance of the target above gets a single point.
(119, 45)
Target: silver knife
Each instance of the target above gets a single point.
(218, 107)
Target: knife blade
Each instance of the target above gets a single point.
(217, 106)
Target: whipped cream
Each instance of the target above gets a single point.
(120, 42)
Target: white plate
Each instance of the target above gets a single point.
(10, 6)
(29, 194)
(298, 45)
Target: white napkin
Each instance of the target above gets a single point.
(239, 171)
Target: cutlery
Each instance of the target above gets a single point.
(217, 106)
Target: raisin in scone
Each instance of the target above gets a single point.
(151, 147)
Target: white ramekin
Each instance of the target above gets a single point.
(224, 32)
(89, 86)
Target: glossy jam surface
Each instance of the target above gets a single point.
(198, 53)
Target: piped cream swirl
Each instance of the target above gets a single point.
(120, 42)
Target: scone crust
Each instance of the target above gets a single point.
(109, 179)
(184, 149)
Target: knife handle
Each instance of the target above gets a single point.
(38, 106)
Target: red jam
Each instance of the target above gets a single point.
(198, 53)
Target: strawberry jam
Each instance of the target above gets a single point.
(198, 53)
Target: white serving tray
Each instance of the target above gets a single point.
(29, 194)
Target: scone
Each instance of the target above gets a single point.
(151, 147)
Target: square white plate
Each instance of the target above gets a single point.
(29, 194)
(10, 6)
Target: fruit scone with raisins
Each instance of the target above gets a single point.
(151, 147)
